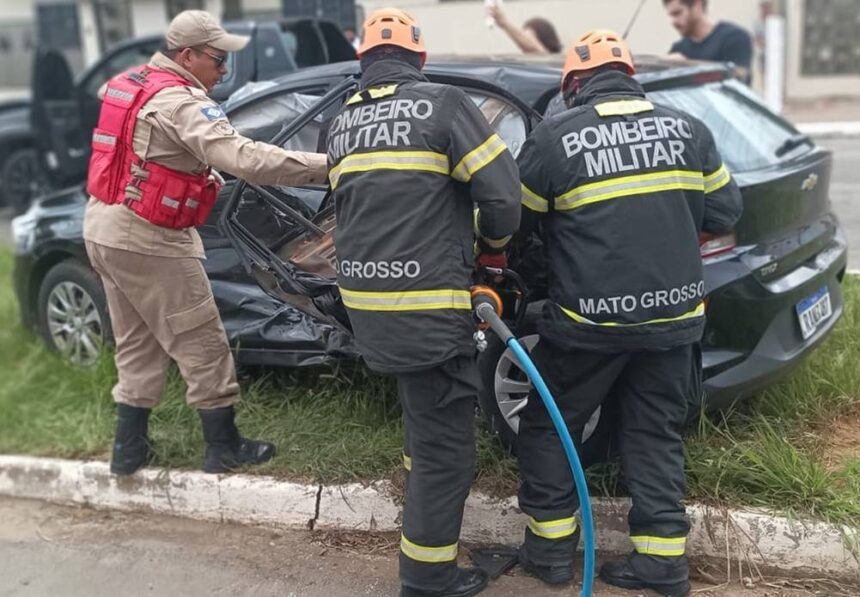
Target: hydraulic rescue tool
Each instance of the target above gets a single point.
(487, 306)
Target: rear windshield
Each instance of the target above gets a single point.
(747, 133)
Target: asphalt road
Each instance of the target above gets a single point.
(48, 550)
(845, 191)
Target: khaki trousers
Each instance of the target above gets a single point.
(162, 309)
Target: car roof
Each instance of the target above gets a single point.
(527, 77)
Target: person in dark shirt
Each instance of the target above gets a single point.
(705, 40)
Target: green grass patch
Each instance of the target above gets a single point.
(344, 424)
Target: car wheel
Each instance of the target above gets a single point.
(73, 317)
(20, 171)
(505, 389)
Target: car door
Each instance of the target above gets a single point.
(56, 121)
(294, 260)
(65, 112)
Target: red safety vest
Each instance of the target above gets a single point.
(169, 198)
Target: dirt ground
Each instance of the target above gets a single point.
(48, 550)
(843, 440)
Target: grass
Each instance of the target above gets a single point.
(344, 424)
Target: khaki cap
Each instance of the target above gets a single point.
(191, 28)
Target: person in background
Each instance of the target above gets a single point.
(703, 39)
(536, 36)
(351, 37)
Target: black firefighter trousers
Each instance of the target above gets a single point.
(651, 392)
(439, 456)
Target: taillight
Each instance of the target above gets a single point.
(711, 245)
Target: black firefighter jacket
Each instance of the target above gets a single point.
(409, 159)
(623, 187)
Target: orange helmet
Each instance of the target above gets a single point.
(596, 48)
(392, 27)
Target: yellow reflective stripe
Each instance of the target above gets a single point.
(407, 462)
(717, 180)
(479, 157)
(411, 300)
(553, 529)
(659, 546)
(383, 91)
(422, 553)
(496, 243)
(534, 201)
(374, 93)
(424, 161)
(625, 186)
(621, 107)
(699, 311)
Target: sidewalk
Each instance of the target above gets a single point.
(826, 117)
(11, 93)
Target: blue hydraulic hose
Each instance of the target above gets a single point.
(488, 314)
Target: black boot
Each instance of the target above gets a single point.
(469, 581)
(552, 572)
(131, 447)
(226, 450)
(669, 576)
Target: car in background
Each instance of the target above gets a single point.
(44, 141)
(773, 285)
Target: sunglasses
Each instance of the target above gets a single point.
(218, 60)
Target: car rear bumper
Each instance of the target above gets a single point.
(731, 376)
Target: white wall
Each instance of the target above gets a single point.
(17, 10)
(798, 86)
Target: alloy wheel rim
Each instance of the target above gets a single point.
(75, 324)
(512, 388)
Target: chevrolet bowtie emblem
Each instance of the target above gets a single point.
(810, 182)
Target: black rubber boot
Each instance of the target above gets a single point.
(469, 581)
(552, 572)
(131, 446)
(668, 576)
(226, 450)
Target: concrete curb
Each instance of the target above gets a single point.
(829, 129)
(767, 540)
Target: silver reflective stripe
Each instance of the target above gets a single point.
(478, 158)
(413, 300)
(659, 546)
(104, 139)
(626, 186)
(191, 203)
(169, 202)
(430, 555)
(553, 529)
(119, 94)
(426, 161)
(717, 180)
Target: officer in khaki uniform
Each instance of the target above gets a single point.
(160, 301)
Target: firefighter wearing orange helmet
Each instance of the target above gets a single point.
(409, 159)
(623, 187)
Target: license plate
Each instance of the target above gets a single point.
(813, 311)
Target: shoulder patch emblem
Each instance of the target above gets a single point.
(212, 113)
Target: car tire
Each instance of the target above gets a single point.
(72, 313)
(493, 364)
(20, 170)
(498, 374)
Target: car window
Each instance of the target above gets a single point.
(747, 133)
(505, 119)
(118, 63)
(262, 120)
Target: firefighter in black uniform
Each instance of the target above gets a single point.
(621, 189)
(409, 160)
